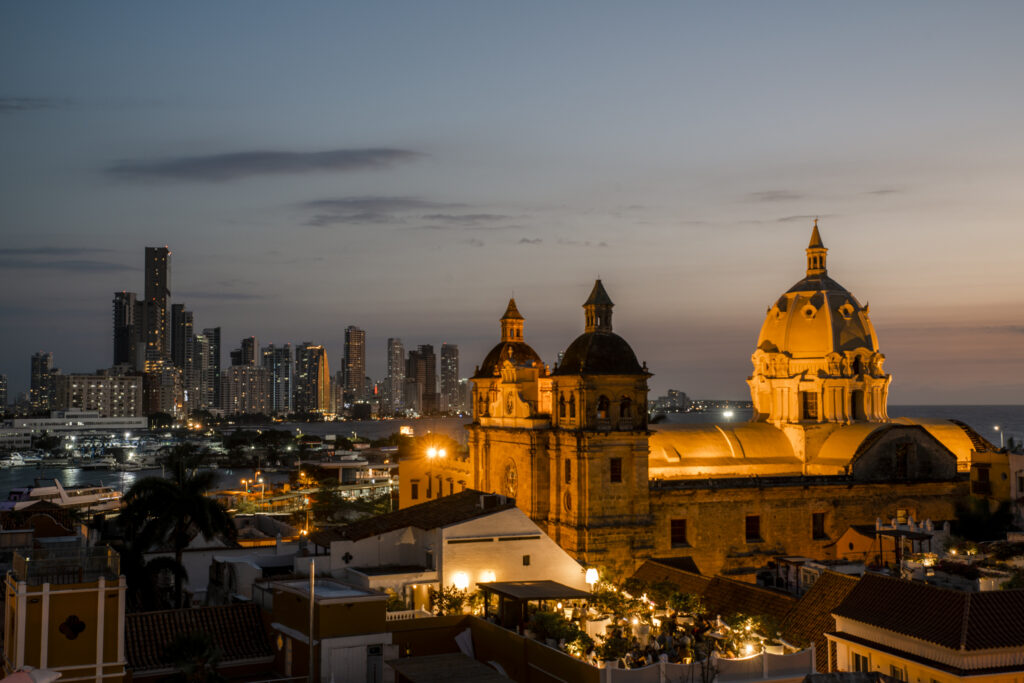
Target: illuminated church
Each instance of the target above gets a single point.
(573, 446)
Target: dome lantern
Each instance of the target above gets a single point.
(816, 253)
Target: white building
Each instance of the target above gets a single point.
(459, 540)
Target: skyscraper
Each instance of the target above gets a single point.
(422, 367)
(451, 398)
(181, 332)
(312, 379)
(246, 352)
(3, 394)
(126, 328)
(158, 291)
(199, 373)
(278, 362)
(212, 335)
(395, 384)
(355, 363)
(41, 388)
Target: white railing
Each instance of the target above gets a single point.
(763, 667)
(403, 615)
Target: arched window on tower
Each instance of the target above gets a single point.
(626, 407)
(856, 366)
(561, 406)
(602, 407)
(572, 406)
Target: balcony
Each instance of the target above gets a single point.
(66, 566)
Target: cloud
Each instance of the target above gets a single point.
(50, 251)
(774, 196)
(9, 105)
(220, 167)
(885, 190)
(473, 242)
(807, 217)
(369, 210)
(527, 240)
(72, 265)
(587, 243)
(217, 294)
(465, 218)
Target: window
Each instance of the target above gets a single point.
(616, 470)
(677, 533)
(526, 560)
(572, 406)
(753, 529)
(861, 663)
(626, 407)
(561, 406)
(897, 672)
(818, 526)
(414, 490)
(810, 404)
(451, 487)
(568, 471)
(602, 407)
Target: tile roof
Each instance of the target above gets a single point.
(811, 618)
(237, 630)
(433, 514)
(950, 618)
(721, 595)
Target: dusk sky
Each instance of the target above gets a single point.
(406, 167)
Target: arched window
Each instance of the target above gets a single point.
(572, 406)
(602, 407)
(626, 407)
(561, 406)
(856, 366)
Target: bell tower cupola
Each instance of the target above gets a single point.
(512, 323)
(598, 308)
(816, 253)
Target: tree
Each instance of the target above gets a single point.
(196, 655)
(176, 509)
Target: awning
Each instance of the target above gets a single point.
(534, 590)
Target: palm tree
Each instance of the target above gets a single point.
(176, 509)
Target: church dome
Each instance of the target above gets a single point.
(511, 347)
(817, 316)
(599, 351)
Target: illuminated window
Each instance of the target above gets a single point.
(602, 407)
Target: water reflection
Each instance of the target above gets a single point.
(71, 476)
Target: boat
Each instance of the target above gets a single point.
(86, 498)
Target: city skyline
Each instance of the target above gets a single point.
(408, 169)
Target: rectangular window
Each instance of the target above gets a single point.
(616, 469)
(451, 487)
(568, 471)
(753, 529)
(677, 533)
(818, 526)
(860, 663)
(898, 672)
(526, 560)
(810, 401)
(414, 490)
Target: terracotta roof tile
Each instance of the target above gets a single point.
(433, 514)
(655, 571)
(952, 619)
(811, 618)
(237, 631)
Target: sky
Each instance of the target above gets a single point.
(406, 167)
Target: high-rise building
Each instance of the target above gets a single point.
(163, 389)
(3, 394)
(355, 363)
(198, 374)
(109, 395)
(422, 367)
(246, 353)
(394, 386)
(245, 390)
(451, 396)
(181, 332)
(126, 328)
(278, 362)
(158, 291)
(40, 390)
(212, 335)
(312, 379)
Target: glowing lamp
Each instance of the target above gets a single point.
(488, 576)
(591, 577)
(748, 649)
(431, 452)
(461, 580)
(441, 453)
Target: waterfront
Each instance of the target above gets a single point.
(983, 419)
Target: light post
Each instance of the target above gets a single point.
(262, 489)
(1000, 435)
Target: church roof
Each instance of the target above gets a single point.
(512, 312)
(598, 296)
(599, 353)
(816, 242)
(520, 353)
(708, 450)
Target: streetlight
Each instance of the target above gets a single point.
(1000, 435)
(727, 414)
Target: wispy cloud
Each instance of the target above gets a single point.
(72, 265)
(586, 243)
(885, 190)
(10, 105)
(473, 242)
(465, 218)
(232, 166)
(774, 196)
(217, 294)
(370, 210)
(50, 251)
(802, 218)
(527, 240)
